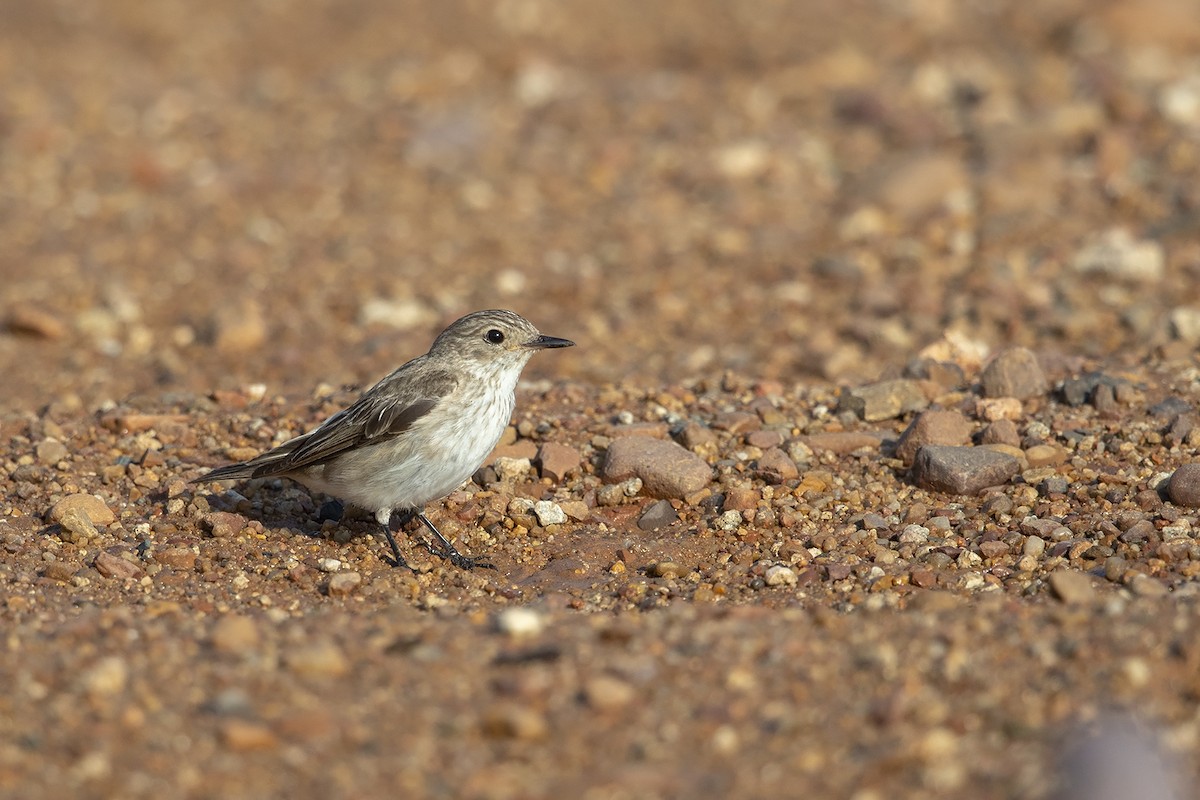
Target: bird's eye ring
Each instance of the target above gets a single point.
(494, 336)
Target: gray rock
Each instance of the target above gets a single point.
(883, 400)
(1014, 373)
(665, 469)
(932, 427)
(962, 470)
(1184, 488)
(657, 515)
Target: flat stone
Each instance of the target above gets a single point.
(93, 507)
(665, 468)
(841, 442)
(1072, 587)
(1002, 431)
(77, 527)
(555, 461)
(695, 436)
(657, 515)
(1014, 373)
(111, 566)
(932, 427)
(51, 451)
(962, 470)
(1184, 487)
(883, 400)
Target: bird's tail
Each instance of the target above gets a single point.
(266, 465)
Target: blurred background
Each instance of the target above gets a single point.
(200, 196)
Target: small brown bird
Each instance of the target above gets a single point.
(420, 432)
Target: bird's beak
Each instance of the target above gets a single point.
(547, 342)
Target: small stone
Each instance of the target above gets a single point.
(962, 470)
(51, 451)
(1014, 373)
(775, 466)
(666, 469)
(343, 583)
(321, 658)
(1115, 568)
(555, 461)
(741, 499)
(993, 549)
(1184, 487)
(235, 633)
(608, 692)
(842, 442)
(883, 400)
(111, 566)
(77, 528)
(90, 505)
(222, 524)
(520, 622)
(244, 736)
(511, 469)
(695, 436)
(1034, 546)
(328, 564)
(657, 515)
(764, 439)
(549, 513)
(575, 509)
(1002, 431)
(608, 496)
(780, 575)
(182, 558)
(1045, 455)
(932, 427)
(997, 408)
(665, 569)
(1072, 587)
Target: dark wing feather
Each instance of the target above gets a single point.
(385, 411)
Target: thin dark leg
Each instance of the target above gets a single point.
(398, 522)
(450, 552)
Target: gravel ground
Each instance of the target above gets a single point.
(874, 473)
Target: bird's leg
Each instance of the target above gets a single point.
(450, 552)
(398, 522)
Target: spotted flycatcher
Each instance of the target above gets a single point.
(420, 432)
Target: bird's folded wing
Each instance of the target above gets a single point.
(386, 411)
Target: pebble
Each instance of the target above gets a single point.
(342, 584)
(962, 470)
(998, 408)
(111, 566)
(665, 569)
(51, 451)
(555, 461)
(77, 527)
(30, 321)
(182, 558)
(774, 466)
(328, 564)
(1013, 373)
(321, 658)
(221, 524)
(520, 622)
(1002, 431)
(93, 507)
(883, 400)
(695, 436)
(841, 442)
(666, 469)
(657, 515)
(932, 427)
(1045, 455)
(1184, 487)
(235, 633)
(511, 469)
(1072, 587)
(605, 692)
(549, 513)
(780, 575)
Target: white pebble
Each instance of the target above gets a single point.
(520, 622)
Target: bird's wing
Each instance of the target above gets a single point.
(386, 411)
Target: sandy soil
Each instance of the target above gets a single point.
(217, 220)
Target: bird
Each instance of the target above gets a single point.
(418, 433)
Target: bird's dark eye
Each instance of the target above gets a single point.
(494, 336)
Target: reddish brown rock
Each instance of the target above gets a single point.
(666, 469)
(932, 427)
